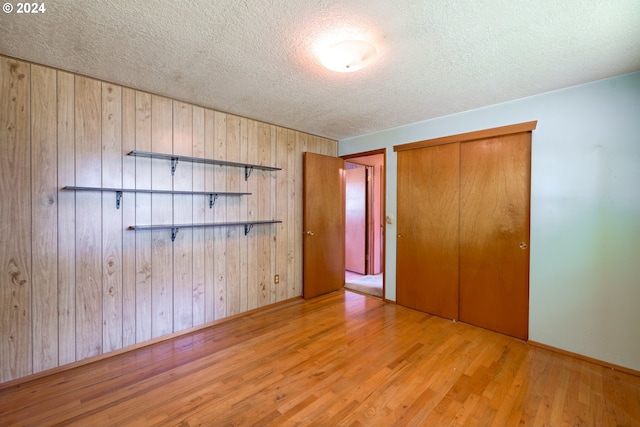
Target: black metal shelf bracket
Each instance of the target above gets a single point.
(174, 232)
(174, 165)
(247, 228)
(247, 172)
(212, 200)
(118, 199)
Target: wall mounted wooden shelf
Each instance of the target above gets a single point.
(248, 225)
(248, 168)
(213, 195)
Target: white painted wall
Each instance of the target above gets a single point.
(585, 210)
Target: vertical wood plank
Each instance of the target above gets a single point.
(111, 217)
(281, 207)
(128, 218)
(15, 227)
(44, 206)
(320, 146)
(144, 312)
(200, 205)
(272, 229)
(331, 147)
(301, 147)
(253, 156)
(66, 220)
(293, 290)
(88, 218)
(95, 286)
(334, 147)
(233, 214)
(161, 213)
(183, 214)
(264, 210)
(220, 234)
(243, 241)
(210, 279)
(312, 144)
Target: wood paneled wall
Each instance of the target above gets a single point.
(74, 281)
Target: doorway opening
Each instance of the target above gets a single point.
(364, 228)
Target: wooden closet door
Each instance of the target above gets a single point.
(494, 233)
(427, 241)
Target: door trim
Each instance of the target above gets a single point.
(469, 136)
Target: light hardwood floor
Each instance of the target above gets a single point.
(340, 359)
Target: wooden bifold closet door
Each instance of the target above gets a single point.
(463, 229)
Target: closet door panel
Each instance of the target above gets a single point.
(494, 233)
(427, 241)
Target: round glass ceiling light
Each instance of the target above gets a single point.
(348, 56)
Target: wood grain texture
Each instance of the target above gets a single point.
(66, 219)
(427, 256)
(281, 212)
(88, 164)
(272, 228)
(495, 184)
(128, 217)
(252, 214)
(301, 147)
(324, 224)
(243, 185)
(200, 206)
(143, 216)
(233, 177)
(162, 262)
(183, 214)
(263, 234)
(294, 286)
(44, 205)
(98, 286)
(329, 361)
(210, 272)
(15, 210)
(112, 228)
(220, 234)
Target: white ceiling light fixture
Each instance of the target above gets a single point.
(348, 56)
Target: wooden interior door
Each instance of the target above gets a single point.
(323, 224)
(356, 219)
(494, 233)
(427, 241)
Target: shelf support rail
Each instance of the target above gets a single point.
(174, 232)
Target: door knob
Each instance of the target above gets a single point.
(523, 245)
(399, 234)
(309, 233)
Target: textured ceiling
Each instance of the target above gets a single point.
(256, 58)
